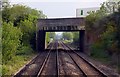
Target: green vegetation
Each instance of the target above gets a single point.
(50, 36)
(18, 35)
(104, 25)
(97, 51)
(47, 37)
(10, 41)
(16, 63)
(71, 38)
(76, 38)
(67, 36)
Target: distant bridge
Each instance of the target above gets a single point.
(58, 25)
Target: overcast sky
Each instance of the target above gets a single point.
(59, 8)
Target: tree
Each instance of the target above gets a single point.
(47, 37)
(67, 36)
(4, 3)
(75, 37)
(117, 18)
(19, 30)
(104, 25)
(17, 13)
(50, 36)
(24, 18)
(112, 6)
(27, 28)
(11, 37)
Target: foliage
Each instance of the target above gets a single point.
(16, 63)
(27, 28)
(104, 25)
(47, 37)
(97, 51)
(108, 37)
(102, 48)
(18, 34)
(5, 3)
(52, 35)
(67, 36)
(24, 50)
(16, 13)
(75, 36)
(67, 41)
(10, 41)
(93, 17)
(0, 51)
(111, 6)
(0, 40)
(24, 18)
(105, 45)
(117, 18)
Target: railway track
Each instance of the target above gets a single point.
(50, 65)
(86, 68)
(67, 65)
(60, 60)
(34, 66)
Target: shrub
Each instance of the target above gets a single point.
(10, 41)
(98, 51)
(24, 50)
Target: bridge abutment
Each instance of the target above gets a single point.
(81, 40)
(40, 40)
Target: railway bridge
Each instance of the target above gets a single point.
(57, 25)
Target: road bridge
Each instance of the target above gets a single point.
(58, 25)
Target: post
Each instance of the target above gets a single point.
(40, 40)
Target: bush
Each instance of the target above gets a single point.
(4, 69)
(25, 50)
(103, 47)
(10, 41)
(98, 51)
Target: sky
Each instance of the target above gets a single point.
(59, 8)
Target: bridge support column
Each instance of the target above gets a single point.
(81, 40)
(40, 41)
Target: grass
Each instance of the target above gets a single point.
(14, 65)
